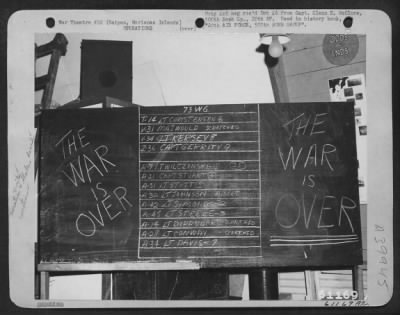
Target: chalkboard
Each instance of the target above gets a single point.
(239, 185)
(88, 185)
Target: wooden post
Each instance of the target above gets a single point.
(276, 74)
(44, 285)
(155, 285)
(311, 279)
(358, 283)
(37, 273)
(56, 48)
(263, 285)
(107, 286)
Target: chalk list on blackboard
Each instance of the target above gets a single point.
(199, 181)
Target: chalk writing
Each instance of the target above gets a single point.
(95, 165)
(222, 128)
(186, 147)
(209, 202)
(312, 156)
(242, 185)
(195, 109)
(295, 210)
(204, 222)
(305, 125)
(71, 148)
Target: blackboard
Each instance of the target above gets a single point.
(238, 185)
(88, 184)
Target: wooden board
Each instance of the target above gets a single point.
(242, 185)
(310, 85)
(312, 59)
(300, 42)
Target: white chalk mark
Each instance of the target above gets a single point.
(305, 236)
(316, 244)
(63, 137)
(319, 240)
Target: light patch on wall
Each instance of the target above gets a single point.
(171, 69)
(76, 287)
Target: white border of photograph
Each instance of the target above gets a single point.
(23, 26)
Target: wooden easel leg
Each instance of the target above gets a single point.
(106, 286)
(358, 281)
(44, 285)
(154, 285)
(311, 279)
(263, 285)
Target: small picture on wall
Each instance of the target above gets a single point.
(363, 130)
(336, 89)
(354, 81)
(348, 92)
(359, 96)
(351, 89)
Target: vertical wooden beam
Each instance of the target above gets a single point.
(57, 48)
(278, 81)
(37, 273)
(155, 285)
(277, 75)
(358, 282)
(106, 286)
(312, 286)
(107, 102)
(263, 285)
(44, 285)
(51, 79)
